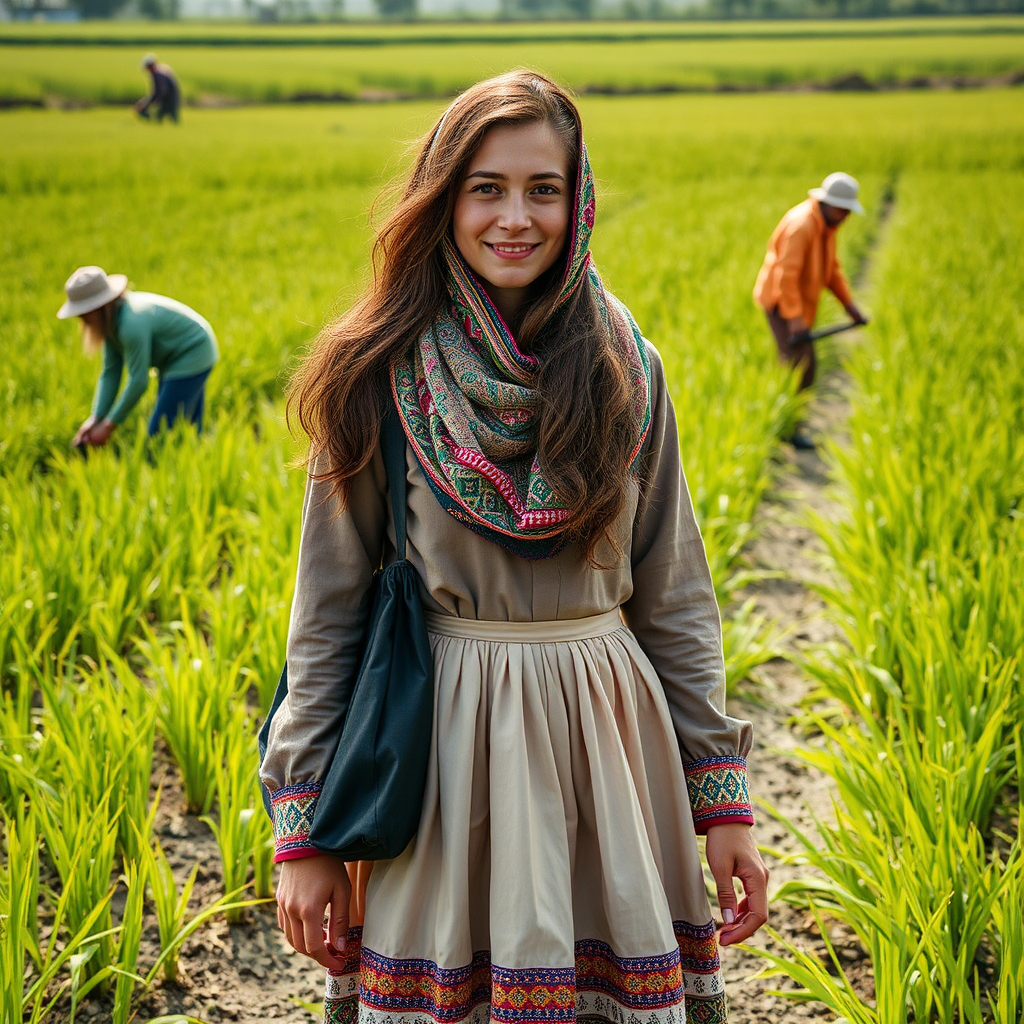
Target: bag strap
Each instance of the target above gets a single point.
(393, 449)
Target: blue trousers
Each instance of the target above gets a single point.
(183, 397)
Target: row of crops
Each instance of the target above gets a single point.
(145, 591)
(924, 721)
(278, 64)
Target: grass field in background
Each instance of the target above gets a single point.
(375, 33)
(399, 63)
(158, 583)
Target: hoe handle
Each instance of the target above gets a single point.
(826, 332)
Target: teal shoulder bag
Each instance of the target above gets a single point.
(372, 795)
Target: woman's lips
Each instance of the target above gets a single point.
(512, 250)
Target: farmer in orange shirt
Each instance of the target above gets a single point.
(802, 260)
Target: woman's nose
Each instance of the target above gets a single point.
(513, 215)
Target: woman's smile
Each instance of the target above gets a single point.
(508, 251)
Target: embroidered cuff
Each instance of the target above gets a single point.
(293, 808)
(718, 792)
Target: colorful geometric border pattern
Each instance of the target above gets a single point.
(446, 994)
(292, 809)
(640, 983)
(683, 984)
(698, 948)
(341, 998)
(718, 791)
(533, 994)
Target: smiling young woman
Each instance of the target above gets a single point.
(579, 743)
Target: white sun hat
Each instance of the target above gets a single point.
(149, 59)
(839, 190)
(88, 288)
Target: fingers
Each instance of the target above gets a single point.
(338, 932)
(303, 926)
(727, 903)
(752, 911)
(315, 941)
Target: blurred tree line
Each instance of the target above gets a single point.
(535, 10)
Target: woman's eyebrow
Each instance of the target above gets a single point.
(498, 176)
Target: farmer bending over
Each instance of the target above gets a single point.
(165, 93)
(802, 260)
(142, 330)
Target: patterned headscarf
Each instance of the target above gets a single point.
(467, 399)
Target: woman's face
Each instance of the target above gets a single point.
(512, 213)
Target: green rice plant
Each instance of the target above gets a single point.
(749, 640)
(171, 904)
(81, 843)
(263, 847)
(199, 701)
(19, 894)
(29, 995)
(128, 941)
(104, 728)
(1007, 936)
(236, 825)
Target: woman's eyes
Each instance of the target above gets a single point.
(489, 188)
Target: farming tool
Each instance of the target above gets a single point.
(827, 332)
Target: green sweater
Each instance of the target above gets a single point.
(150, 330)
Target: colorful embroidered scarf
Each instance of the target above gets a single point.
(467, 400)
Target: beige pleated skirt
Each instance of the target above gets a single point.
(555, 874)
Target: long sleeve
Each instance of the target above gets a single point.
(837, 283)
(109, 382)
(674, 615)
(137, 342)
(792, 255)
(338, 555)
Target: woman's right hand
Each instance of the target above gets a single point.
(82, 435)
(306, 887)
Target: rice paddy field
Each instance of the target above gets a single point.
(232, 64)
(144, 592)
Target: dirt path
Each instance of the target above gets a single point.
(786, 543)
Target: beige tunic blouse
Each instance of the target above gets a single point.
(661, 582)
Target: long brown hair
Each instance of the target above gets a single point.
(586, 427)
(93, 339)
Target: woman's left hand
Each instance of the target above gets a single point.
(731, 853)
(100, 433)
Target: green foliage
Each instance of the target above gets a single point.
(236, 827)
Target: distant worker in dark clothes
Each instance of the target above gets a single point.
(801, 261)
(140, 330)
(165, 94)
